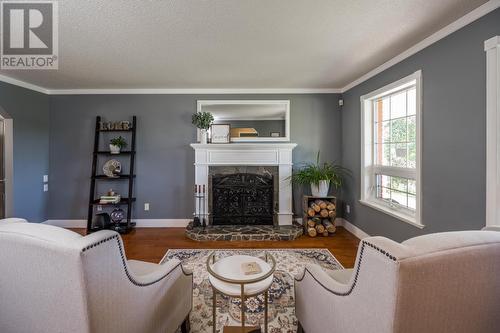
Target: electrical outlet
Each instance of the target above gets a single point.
(45, 187)
(99, 208)
(146, 206)
(45, 178)
(348, 209)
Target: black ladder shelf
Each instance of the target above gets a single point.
(122, 227)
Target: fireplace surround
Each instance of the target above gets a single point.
(257, 159)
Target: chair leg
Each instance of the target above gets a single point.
(185, 327)
(299, 328)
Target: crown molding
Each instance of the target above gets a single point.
(157, 91)
(448, 30)
(24, 84)
(191, 91)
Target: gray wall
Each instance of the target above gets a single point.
(165, 171)
(454, 143)
(30, 113)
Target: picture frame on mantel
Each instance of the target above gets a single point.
(220, 133)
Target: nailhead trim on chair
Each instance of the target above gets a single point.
(387, 254)
(98, 243)
(122, 254)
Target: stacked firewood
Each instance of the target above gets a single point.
(320, 216)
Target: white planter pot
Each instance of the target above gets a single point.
(321, 190)
(203, 136)
(114, 149)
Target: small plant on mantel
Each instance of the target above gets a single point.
(319, 176)
(203, 121)
(117, 144)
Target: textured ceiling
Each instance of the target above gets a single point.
(234, 43)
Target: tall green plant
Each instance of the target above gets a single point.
(313, 173)
(203, 120)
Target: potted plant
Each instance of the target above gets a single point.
(203, 121)
(320, 176)
(117, 144)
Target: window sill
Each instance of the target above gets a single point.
(400, 216)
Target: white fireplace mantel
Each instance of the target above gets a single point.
(241, 154)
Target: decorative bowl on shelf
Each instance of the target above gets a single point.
(117, 215)
(112, 168)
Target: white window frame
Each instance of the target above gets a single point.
(368, 167)
(492, 49)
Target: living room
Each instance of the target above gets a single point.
(235, 166)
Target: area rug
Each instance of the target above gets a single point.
(289, 262)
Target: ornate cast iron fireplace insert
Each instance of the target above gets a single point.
(242, 199)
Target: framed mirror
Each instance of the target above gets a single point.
(251, 120)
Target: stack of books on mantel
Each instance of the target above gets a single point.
(109, 199)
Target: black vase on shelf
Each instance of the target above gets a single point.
(101, 221)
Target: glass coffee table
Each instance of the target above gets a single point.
(227, 277)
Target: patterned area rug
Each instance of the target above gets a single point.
(289, 262)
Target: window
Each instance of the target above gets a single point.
(390, 172)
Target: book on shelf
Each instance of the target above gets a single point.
(104, 199)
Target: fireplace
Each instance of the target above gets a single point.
(242, 199)
(243, 195)
(257, 164)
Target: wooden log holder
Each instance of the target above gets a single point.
(319, 215)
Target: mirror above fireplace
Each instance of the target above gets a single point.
(251, 120)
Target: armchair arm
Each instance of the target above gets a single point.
(13, 220)
(322, 304)
(161, 272)
(325, 280)
(93, 240)
(164, 295)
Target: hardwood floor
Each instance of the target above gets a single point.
(150, 244)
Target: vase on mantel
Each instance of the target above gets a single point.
(203, 136)
(320, 190)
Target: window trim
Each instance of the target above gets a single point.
(492, 49)
(367, 165)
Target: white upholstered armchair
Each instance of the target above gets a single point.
(54, 280)
(445, 282)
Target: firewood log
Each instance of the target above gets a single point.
(332, 214)
(312, 232)
(320, 228)
(325, 233)
(311, 212)
(329, 226)
(316, 207)
(322, 204)
(330, 206)
(316, 220)
(323, 213)
(311, 223)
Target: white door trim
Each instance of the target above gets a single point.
(8, 158)
(492, 48)
(8, 142)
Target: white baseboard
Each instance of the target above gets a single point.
(351, 228)
(140, 223)
(172, 223)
